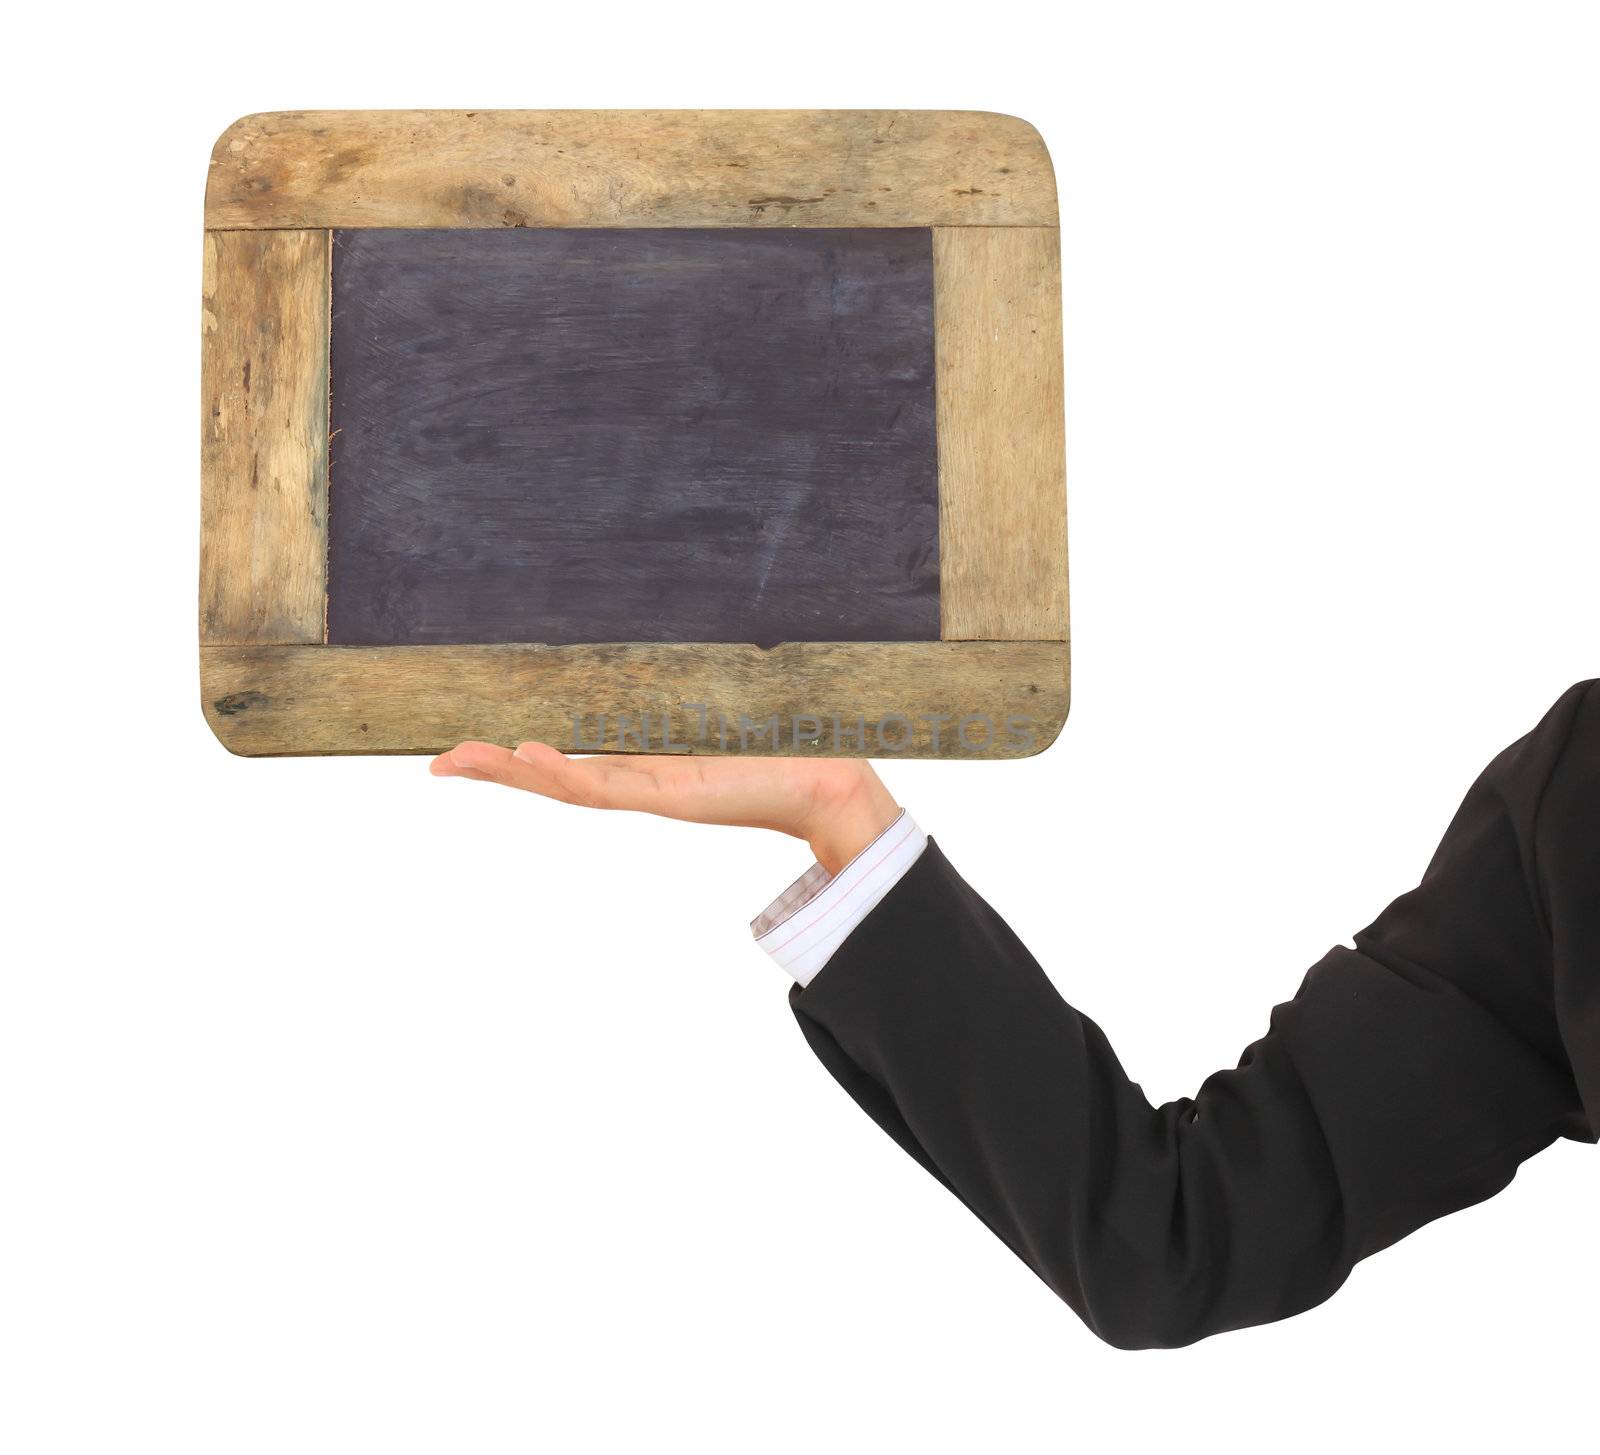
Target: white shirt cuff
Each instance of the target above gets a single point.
(805, 924)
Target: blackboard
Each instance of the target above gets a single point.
(514, 422)
(585, 435)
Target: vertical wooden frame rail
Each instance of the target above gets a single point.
(995, 685)
(264, 437)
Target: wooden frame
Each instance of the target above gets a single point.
(996, 685)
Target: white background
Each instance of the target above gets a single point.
(342, 1109)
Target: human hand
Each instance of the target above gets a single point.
(837, 805)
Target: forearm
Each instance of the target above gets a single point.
(1157, 1225)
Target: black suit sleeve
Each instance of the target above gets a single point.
(1407, 1078)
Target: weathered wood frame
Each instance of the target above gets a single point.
(995, 685)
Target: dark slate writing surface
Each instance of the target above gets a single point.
(633, 435)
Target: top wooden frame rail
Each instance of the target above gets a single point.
(349, 169)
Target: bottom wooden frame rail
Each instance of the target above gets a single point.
(953, 700)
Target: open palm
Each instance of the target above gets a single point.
(838, 805)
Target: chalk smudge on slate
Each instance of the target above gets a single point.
(652, 435)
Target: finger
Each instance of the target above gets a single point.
(540, 770)
(592, 782)
(697, 790)
(445, 767)
(675, 771)
(636, 762)
(482, 762)
(477, 757)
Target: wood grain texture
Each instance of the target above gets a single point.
(644, 435)
(348, 169)
(912, 697)
(1002, 444)
(264, 437)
